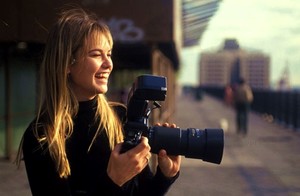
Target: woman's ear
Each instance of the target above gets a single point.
(73, 61)
(69, 69)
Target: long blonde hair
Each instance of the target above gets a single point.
(58, 104)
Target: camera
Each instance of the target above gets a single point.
(194, 143)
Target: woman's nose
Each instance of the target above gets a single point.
(107, 63)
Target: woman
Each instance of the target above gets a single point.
(73, 145)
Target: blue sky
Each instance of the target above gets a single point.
(270, 26)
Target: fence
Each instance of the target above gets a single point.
(281, 106)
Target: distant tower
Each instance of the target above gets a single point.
(284, 80)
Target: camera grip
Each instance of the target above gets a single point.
(127, 145)
(133, 135)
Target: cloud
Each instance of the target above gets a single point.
(270, 26)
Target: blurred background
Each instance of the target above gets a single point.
(201, 46)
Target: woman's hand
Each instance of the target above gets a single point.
(122, 167)
(169, 165)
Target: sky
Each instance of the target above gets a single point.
(269, 26)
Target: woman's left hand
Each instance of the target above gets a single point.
(169, 165)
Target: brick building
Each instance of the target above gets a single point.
(227, 65)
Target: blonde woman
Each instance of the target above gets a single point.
(73, 145)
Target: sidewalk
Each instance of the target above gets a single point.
(13, 180)
(266, 162)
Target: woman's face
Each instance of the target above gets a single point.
(89, 75)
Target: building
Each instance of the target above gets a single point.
(196, 15)
(227, 65)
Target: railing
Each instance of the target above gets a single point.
(282, 107)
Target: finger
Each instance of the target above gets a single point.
(163, 159)
(118, 148)
(141, 150)
(162, 153)
(169, 165)
(147, 158)
(166, 124)
(173, 125)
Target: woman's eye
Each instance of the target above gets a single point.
(96, 54)
(100, 55)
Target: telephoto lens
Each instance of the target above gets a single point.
(194, 143)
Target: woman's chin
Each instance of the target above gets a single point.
(102, 90)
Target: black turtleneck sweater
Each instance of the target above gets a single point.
(88, 168)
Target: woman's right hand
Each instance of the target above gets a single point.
(123, 167)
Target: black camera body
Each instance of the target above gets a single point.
(204, 144)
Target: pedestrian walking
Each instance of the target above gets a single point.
(228, 95)
(243, 97)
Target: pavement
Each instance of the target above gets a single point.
(265, 162)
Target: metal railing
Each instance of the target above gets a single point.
(283, 107)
